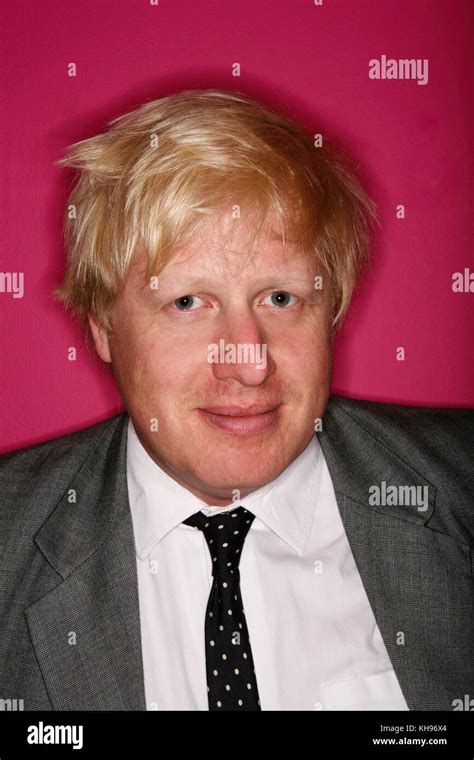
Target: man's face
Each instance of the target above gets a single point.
(209, 438)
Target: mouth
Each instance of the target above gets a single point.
(249, 420)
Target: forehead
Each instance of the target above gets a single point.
(233, 247)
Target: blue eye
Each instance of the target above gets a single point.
(280, 298)
(185, 302)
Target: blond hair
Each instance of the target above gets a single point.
(159, 172)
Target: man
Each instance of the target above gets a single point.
(205, 549)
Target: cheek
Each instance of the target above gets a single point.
(304, 356)
(164, 371)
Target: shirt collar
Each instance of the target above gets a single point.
(158, 503)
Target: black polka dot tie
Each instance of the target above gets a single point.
(231, 680)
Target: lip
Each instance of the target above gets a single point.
(239, 420)
(241, 411)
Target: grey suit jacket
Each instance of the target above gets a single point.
(69, 615)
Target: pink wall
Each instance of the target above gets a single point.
(412, 141)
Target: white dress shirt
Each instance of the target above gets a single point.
(314, 639)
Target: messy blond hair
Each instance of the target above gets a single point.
(155, 177)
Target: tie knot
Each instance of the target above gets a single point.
(225, 535)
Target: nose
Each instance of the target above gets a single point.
(239, 351)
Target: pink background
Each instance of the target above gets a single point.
(412, 142)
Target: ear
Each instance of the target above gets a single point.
(101, 339)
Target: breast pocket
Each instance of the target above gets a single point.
(376, 692)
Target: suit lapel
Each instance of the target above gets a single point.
(392, 551)
(86, 631)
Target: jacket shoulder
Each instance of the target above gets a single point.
(439, 425)
(61, 446)
(39, 474)
(436, 442)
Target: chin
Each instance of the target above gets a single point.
(229, 474)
